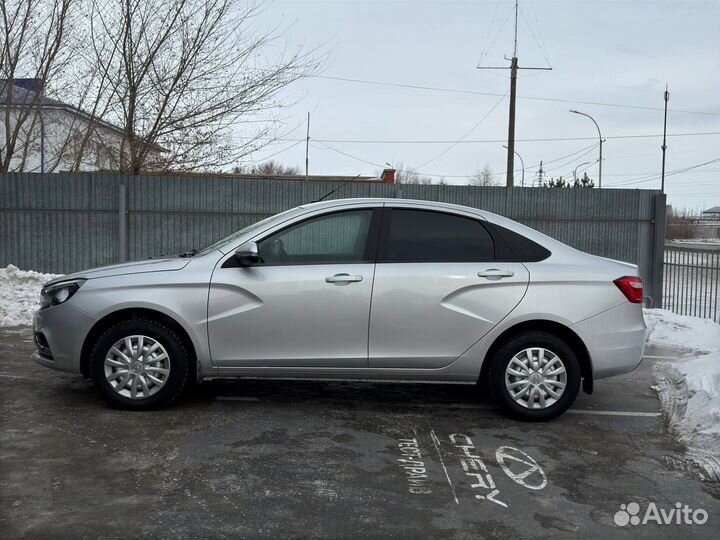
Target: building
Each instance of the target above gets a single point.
(708, 226)
(52, 136)
(711, 214)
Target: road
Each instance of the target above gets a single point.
(255, 459)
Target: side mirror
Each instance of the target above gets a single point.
(247, 254)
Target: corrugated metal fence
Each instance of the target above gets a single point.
(66, 222)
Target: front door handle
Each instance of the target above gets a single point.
(496, 273)
(343, 278)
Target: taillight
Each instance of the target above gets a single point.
(631, 287)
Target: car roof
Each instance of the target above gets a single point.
(393, 200)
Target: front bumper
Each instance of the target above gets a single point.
(615, 339)
(59, 335)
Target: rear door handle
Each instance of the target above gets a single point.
(343, 278)
(496, 273)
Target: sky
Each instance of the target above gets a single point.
(612, 52)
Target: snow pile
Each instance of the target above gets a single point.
(20, 294)
(689, 387)
(667, 329)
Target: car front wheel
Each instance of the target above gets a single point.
(534, 376)
(139, 364)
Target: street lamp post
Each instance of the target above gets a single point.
(601, 143)
(576, 168)
(522, 163)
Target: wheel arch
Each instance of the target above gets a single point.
(552, 327)
(128, 314)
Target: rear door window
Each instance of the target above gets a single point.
(428, 236)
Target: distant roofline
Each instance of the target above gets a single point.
(53, 104)
(249, 176)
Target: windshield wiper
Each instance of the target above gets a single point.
(190, 253)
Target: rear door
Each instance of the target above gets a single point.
(438, 288)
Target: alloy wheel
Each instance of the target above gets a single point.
(137, 367)
(535, 378)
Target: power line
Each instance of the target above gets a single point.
(573, 160)
(467, 134)
(293, 145)
(542, 40)
(647, 173)
(435, 175)
(495, 141)
(492, 43)
(542, 50)
(584, 168)
(316, 142)
(671, 173)
(495, 94)
(584, 150)
(487, 34)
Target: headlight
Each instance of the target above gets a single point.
(58, 293)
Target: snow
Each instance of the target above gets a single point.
(20, 294)
(689, 385)
(666, 329)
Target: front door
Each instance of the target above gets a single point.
(306, 304)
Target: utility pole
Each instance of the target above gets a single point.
(540, 176)
(514, 67)
(664, 146)
(307, 147)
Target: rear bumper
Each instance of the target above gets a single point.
(615, 339)
(59, 335)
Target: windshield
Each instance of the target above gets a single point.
(241, 232)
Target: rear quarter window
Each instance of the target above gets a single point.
(511, 246)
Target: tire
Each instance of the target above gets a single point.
(542, 391)
(128, 379)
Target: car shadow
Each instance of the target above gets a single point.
(350, 393)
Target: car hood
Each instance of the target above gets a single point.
(137, 267)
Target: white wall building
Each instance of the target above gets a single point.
(54, 136)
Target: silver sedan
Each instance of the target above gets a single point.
(371, 289)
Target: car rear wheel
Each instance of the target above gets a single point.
(534, 376)
(139, 364)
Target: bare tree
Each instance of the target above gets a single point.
(408, 175)
(484, 178)
(682, 224)
(268, 168)
(181, 76)
(33, 46)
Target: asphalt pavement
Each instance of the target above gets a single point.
(282, 459)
